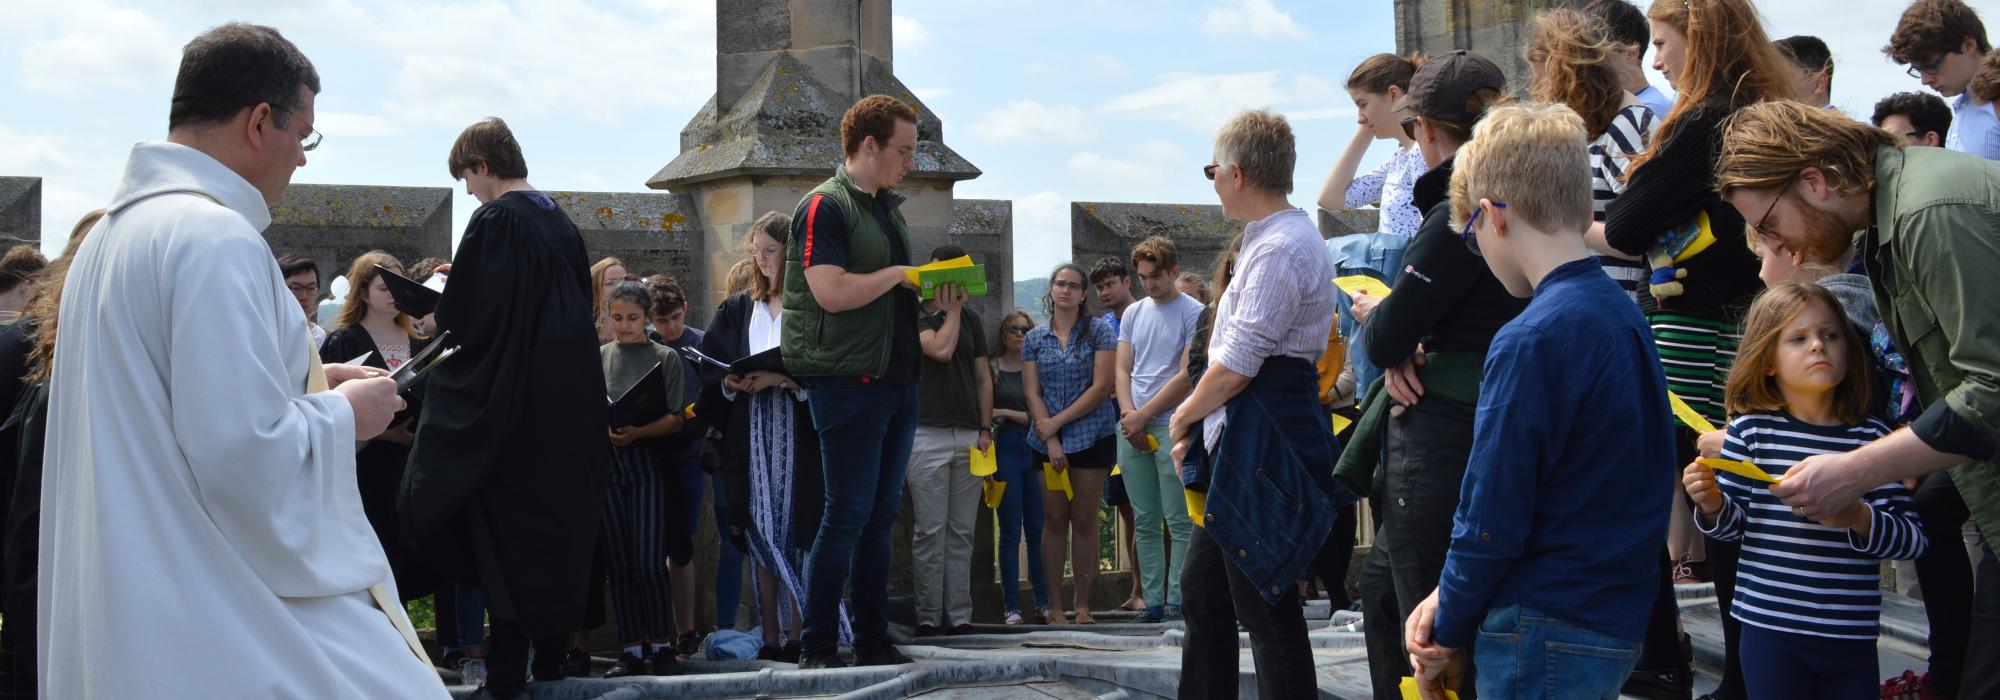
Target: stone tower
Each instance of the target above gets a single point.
(1496, 29)
(785, 72)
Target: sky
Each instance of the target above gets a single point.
(1055, 100)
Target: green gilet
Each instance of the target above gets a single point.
(816, 342)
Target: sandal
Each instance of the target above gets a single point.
(1014, 617)
(1053, 617)
(1083, 618)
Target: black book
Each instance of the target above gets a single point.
(411, 297)
(644, 403)
(766, 361)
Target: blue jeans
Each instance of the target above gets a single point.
(728, 565)
(471, 612)
(865, 434)
(1020, 513)
(1522, 653)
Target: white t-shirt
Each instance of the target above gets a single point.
(1157, 333)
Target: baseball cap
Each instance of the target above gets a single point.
(1441, 86)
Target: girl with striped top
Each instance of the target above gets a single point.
(1806, 592)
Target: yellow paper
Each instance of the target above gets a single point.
(983, 463)
(689, 411)
(1409, 688)
(1340, 423)
(1116, 470)
(993, 490)
(1688, 415)
(1057, 481)
(1152, 443)
(960, 261)
(1742, 469)
(1357, 285)
(1197, 505)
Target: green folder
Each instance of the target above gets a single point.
(971, 278)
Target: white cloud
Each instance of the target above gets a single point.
(353, 124)
(1250, 18)
(1039, 69)
(1152, 161)
(1027, 121)
(96, 46)
(909, 32)
(1105, 67)
(1306, 115)
(1041, 233)
(1200, 101)
(1309, 87)
(31, 154)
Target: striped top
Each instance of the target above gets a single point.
(1609, 154)
(1795, 575)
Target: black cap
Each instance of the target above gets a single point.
(1443, 84)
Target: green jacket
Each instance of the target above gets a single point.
(816, 342)
(1931, 255)
(1452, 377)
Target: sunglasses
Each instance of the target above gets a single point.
(1208, 171)
(1019, 330)
(1409, 127)
(1471, 239)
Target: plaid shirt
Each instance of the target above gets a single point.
(1065, 373)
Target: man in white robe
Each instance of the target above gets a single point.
(203, 536)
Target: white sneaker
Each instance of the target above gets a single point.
(472, 671)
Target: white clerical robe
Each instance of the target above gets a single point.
(202, 535)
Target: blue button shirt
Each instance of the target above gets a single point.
(1974, 128)
(1566, 496)
(1658, 101)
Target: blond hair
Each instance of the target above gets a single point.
(1753, 381)
(1534, 157)
(1259, 143)
(1575, 53)
(597, 274)
(1766, 145)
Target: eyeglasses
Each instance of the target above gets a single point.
(303, 288)
(1019, 330)
(1784, 187)
(1409, 127)
(1918, 70)
(1470, 239)
(1208, 171)
(311, 139)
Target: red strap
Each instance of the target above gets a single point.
(812, 212)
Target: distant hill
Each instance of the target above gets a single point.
(1028, 296)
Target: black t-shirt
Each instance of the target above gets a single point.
(948, 394)
(826, 244)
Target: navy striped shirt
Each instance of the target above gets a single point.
(1625, 137)
(1795, 575)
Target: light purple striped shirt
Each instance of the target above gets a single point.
(1280, 302)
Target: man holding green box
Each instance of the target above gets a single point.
(954, 416)
(1150, 384)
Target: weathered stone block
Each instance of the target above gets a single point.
(753, 25)
(1098, 229)
(651, 232)
(1340, 223)
(20, 211)
(336, 223)
(818, 23)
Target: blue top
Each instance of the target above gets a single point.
(1065, 373)
(1566, 496)
(1796, 575)
(1975, 129)
(1658, 101)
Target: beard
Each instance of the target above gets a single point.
(1826, 238)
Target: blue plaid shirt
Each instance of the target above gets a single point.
(1065, 373)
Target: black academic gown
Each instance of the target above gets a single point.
(728, 340)
(379, 465)
(507, 476)
(21, 439)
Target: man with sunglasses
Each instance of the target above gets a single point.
(1944, 43)
(1806, 180)
(200, 475)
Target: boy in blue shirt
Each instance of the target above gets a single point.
(1565, 499)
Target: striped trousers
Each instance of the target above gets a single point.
(636, 509)
(1696, 354)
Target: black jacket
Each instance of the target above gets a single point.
(728, 340)
(1446, 297)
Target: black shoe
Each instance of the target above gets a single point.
(664, 662)
(962, 630)
(576, 663)
(629, 664)
(927, 630)
(885, 655)
(789, 653)
(1675, 683)
(451, 658)
(767, 653)
(821, 658)
(688, 645)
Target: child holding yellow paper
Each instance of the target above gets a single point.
(1806, 593)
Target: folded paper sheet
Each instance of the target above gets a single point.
(1409, 689)
(1357, 285)
(1197, 505)
(1742, 469)
(992, 491)
(983, 463)
(1688, 415)
(1057, 481)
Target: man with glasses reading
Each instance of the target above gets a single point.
(200, 474)
(1944, 44)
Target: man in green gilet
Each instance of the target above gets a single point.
(850, 335)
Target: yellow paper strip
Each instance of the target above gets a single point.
(689, 411)
(1152, 443)
(1357, 285)
(1688, 415)
(983, 462)
(1340, 423)
(1057, 481)
(1742, 469)
(1409, 689)
(960, 261)
(1197, 505)
(993, 490)
(1117, 469)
